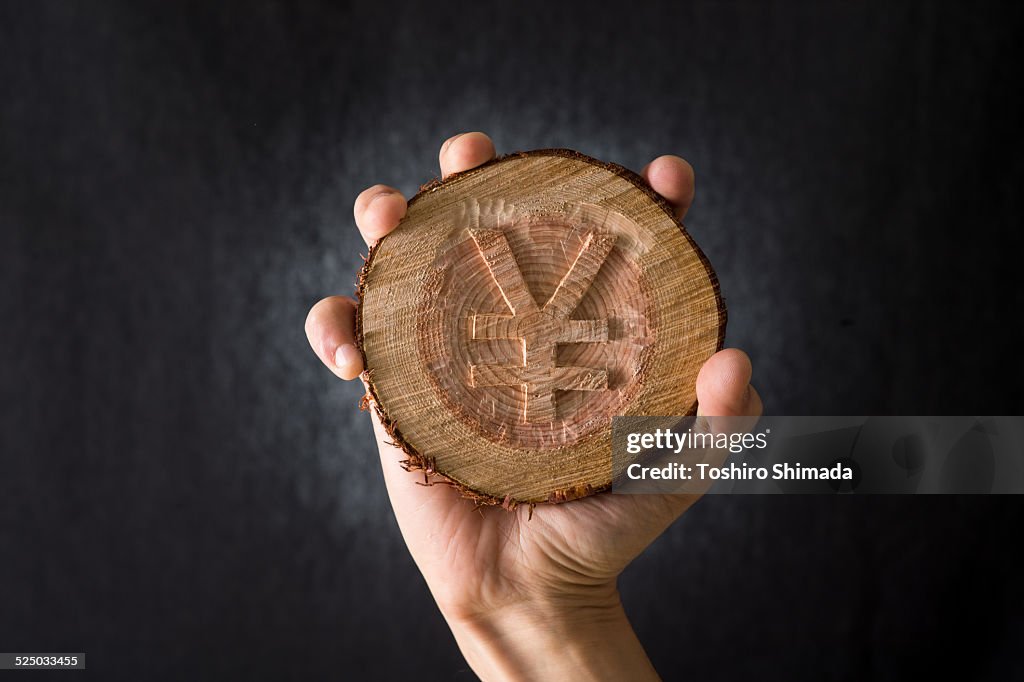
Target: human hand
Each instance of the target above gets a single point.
(527, 597)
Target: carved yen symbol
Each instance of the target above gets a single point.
(540, 329)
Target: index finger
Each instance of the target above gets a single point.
(672, 178)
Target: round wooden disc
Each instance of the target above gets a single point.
(517, 308)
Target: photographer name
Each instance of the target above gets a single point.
(738, 472)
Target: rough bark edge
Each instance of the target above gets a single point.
(415, 461)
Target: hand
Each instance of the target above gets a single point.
(526, 598)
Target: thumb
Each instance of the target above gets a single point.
(723, 386)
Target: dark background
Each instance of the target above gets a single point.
(186, 493)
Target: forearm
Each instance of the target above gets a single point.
(553, 642)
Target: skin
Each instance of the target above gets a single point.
(528, 599)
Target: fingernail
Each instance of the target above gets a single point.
(346, 356)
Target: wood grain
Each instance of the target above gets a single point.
(517, 308)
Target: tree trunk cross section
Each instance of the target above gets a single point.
(517, 309)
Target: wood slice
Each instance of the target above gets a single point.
(517, 308)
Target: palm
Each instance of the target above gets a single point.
(491, 556)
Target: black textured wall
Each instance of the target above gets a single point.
(185, 493)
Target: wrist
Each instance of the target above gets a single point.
(585, 635)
